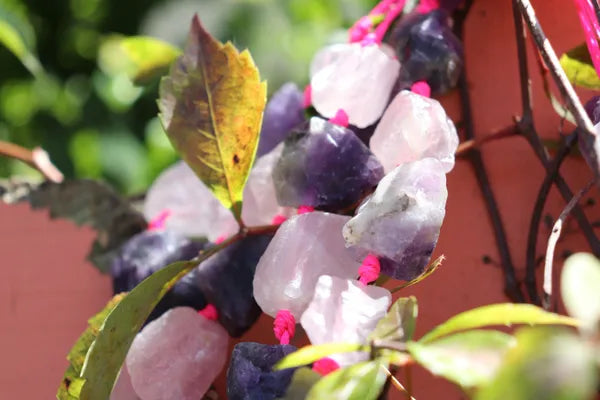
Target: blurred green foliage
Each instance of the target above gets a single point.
(91, 118)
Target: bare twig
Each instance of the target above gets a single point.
(556, 230)
(397, 384)
(36, 158)
(520, 35)
(476, 143)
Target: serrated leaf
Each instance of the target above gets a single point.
(211, 106)
(578, 66)
(430, 269)
(71, 383)
(17, 35)
(467, 358)
(545, 364)
(302, 381)
(580, 289)
(85, 202)
(362, 381)
(498, 314)
(309, 354)
(400, 321)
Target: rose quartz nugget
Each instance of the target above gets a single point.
(123, 389)
(355, 79)
(177, 356)
(193, 209)
(411, 128)
(305, 247)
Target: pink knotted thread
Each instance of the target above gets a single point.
(159, 221)
(369, 39)
(369, 270)
(422, 88)
(394, 11)
(220, 239)
(426, 6)
(360, 28)
(340, 118)
(307, 100)
(278, 219)
(284, 326)
(209, 312)
(325, 365)
(305, 209)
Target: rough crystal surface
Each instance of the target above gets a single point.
(592, 107)
(414, 127)
(283, 112)
(400, 223)
(194, 210)
(428, 51)
(305, 247)
(226, 281)
(344, 311)
(177, 356)
(355, 78)
(324, 166)
(250, 375)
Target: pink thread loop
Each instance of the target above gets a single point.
(360, 29)
(325, 365)
(369, 39)
(220, 239)
(422, 88)
(305, 209)
(340, 118)
(307, 101)
(591, 29)
(159, 221)
(209, 312)
(284, 326)
(369, 270)
(278, 219)
(426, 6)
(394, 11)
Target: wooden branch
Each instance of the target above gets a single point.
(36, 158)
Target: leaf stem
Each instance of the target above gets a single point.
(36, 158)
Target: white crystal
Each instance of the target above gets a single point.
(194, 210)
(260, 202)
(305, 247)
(344, 311)
(411, 128)
(354, 78)
(123, 389)
(177, 356)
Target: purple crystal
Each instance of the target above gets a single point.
(226, 281)
(428, 51)
(284, 112)
(324, 166)
(250, 375)
(592, 107)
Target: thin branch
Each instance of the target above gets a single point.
(36, 158)
(520, 34)
(476, 143)
(396, 383)
(556, 230)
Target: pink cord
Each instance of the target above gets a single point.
(278, 219)
(325, 365)
(284, 326)
(369, 270)
(422, 88)
(159, 221)
(426, 6)
(305, 209)
(220, 239)
(340, 118)
(209, 312)
(591, 30)
(394, 12)
(307, 96)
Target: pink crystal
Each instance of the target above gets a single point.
(123, 389)
(177, 356)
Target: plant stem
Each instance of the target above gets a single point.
(464, 148)
(36, 158)
(396, 383)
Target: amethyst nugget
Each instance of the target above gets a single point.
(250, 375)
(325, 166)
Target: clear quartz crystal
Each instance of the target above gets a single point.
(305, 247)
(194, 210)
(177, 356)
(411, 128)
(355, 78)
(400, 223)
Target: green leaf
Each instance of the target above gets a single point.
(467, 358)
(302, 381)
(580, 289)
(400, 321)
(546, 364)
(362, 381)
(498, 314)
(71, 383)
(578, 66)
(17, 35)
(431, 268)
(309, 354)
(211, 106)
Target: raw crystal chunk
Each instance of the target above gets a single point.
(226, 281)
(284, 111)
(305, 247)
(592, 107)
(260, 202)
(193, 209)
(428, 51)
(344, 310)
(355, 78)
(177, 356)
(414, 127)
(250, 375)
(325, 166)
(400, 223)
(123, 389)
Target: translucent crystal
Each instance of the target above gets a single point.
(177, 356)
(283, 112)
(194, 210)
(592, 107)
(414, 127)
(344, 311)
(250, 375)
(305, 247)
(354, 78)
(324, 166)
(123, 389)
(400, 223)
